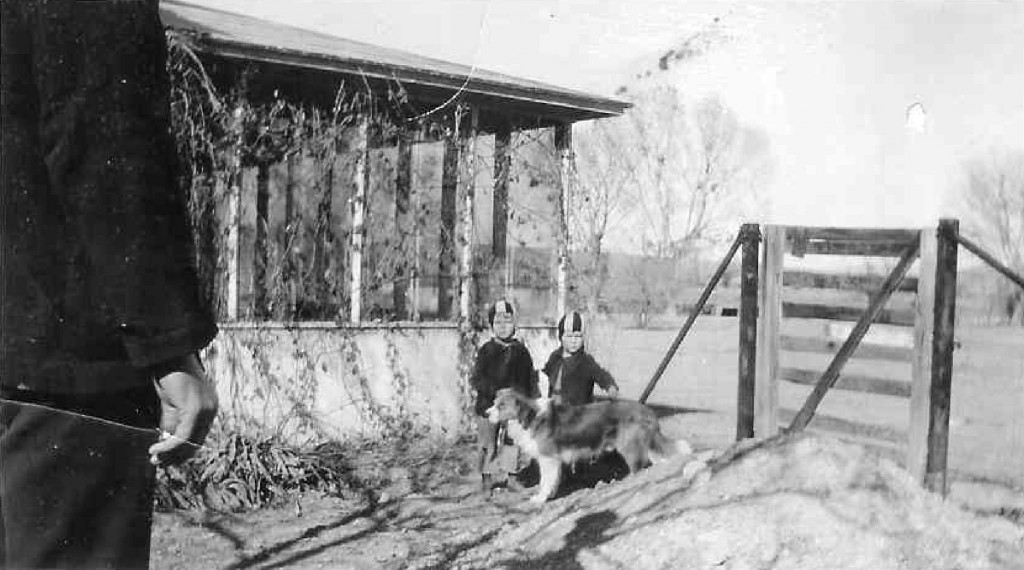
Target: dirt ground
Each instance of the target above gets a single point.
(421, 514)
(815, 503)
(804, 502)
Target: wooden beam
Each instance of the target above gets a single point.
(499, 216)
(404, 223)
(261, 254)
(942, 355)
(722, 266)
(991, 260)
(361, 147)
(449, 207)
(860, 248)
(828, 379)
(233, 239)
(290, 231)
(904, 237)
(766, 390)
(863, 283)
(850, 382)
(467, 184)
(904, 317)
(231, 242)
(323, 195)
(563, 144)
(750, 236)
(872, 242)
(417, 251)
(921, 367)
(821, 345)
(246, 242)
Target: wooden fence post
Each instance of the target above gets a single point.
(920, 391)
(766, 387)
(942, 355)
(750, 235)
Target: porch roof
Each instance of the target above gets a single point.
(321, 58)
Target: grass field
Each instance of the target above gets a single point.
(698, 392)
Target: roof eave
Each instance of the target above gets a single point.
(568, 107)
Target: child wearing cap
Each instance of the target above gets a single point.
(502, 362)
(571, 370)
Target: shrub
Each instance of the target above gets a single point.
(245, 473)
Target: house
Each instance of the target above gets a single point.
(338, 183)
(445, 108)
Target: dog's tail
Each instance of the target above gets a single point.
(663, 447)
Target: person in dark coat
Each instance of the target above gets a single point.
(502, 362)
(100, 313)
(572, 372)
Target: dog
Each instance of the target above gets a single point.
(555, 435)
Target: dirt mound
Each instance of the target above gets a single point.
(794, 502)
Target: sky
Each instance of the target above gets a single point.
(830, 82)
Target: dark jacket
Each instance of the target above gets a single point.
(573, 378)
(96, 253)
(502, 364)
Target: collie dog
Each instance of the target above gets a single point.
(555, 435)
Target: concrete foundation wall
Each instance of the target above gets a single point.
(316, 382)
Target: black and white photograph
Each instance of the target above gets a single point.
(512, 284)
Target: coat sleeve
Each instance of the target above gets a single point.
(530, 374)
(602, 377)
(476, 376)
(109, 152)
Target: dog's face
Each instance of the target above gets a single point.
(507, 406)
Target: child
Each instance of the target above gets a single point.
(502, 362)
(571, 371)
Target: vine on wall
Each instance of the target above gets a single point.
(227, 138)
(222, 133)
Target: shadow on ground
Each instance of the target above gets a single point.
(589, 532)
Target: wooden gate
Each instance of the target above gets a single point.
(925, 327)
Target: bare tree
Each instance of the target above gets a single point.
(994, 196)
(694, 172)
(599, 204)
(663, 180)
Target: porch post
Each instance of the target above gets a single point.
(234, 220)
(563, 144)
(499, 217)
(404, 224)
(261, 254)
(361, 146)
(449, 207)
(468, 185)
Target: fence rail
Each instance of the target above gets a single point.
(864, 350)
